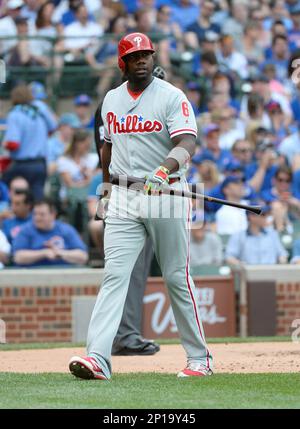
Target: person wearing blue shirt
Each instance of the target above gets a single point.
(259, 244)
(82, 104)
(220, 156)
(61, 139)
(184, 13)
(21, 206)
(46, 241)
(28, 127)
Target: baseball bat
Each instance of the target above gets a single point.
(116, 179)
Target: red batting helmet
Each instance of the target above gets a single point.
(132, 43)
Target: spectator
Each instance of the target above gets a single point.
(196, 31)
(283, 203)
(290, 146)
(261, 86)
(21, 206)
(4, 250)
(231, 219)
(280, 56)
(204, 170)
(59, 142)
(231, 59)
(26, 137)
(259, 244)
(30, 9)
(184, 12)
(77, 165)
(278, 128)
(296, 252)
(82, 104)
(194, 96)
(251, 46)
(294, 32)
(8, 26)
(256, 111)
(47, 241)
(76, 46)
(23, 54)
(230, 129)
(235, 23)
(212, 147)
(205, 247)
(45, 30)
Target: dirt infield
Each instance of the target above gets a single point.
(228, 358)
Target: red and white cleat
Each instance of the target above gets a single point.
(195, 370)
(86, 368)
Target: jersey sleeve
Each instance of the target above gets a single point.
(106, 135)
(180, 116)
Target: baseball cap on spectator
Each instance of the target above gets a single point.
(193, 86)
(234, 165)
(82, 100)
(201, 157)
(210, 128)
(231, 179)
(69, 119)
(14, 4)
(273, 105)
(38, 90)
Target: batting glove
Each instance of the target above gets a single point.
(102, 204)
(156, 180)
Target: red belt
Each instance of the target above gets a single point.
(173, 180)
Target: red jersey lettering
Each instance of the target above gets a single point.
(131, 124)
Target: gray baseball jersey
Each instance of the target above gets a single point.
(141, 129)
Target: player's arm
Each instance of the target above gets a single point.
(185, 145)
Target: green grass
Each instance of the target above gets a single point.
(29, 346)
(150, 391)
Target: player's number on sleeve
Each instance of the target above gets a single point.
(185, 109)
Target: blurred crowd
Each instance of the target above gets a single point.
(238, 63)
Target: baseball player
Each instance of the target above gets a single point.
(149, 131)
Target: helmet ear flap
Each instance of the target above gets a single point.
(121, 64)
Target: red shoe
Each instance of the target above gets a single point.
(195, 370)
(86, 368)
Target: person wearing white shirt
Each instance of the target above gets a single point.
(8, 27)
(232, 59)
(4, 250)
(86, 33)
(231, 219)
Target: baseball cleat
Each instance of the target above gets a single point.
(86, 368)
(195, 370)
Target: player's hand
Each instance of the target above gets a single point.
(156, 180)
(101, 208)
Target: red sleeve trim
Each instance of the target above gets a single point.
(183, 131)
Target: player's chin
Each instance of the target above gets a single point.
(141, 74)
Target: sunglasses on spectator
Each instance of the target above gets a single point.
(243, 150)
(283, 180)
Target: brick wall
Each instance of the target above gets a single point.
(288, 306)
(39, 314)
